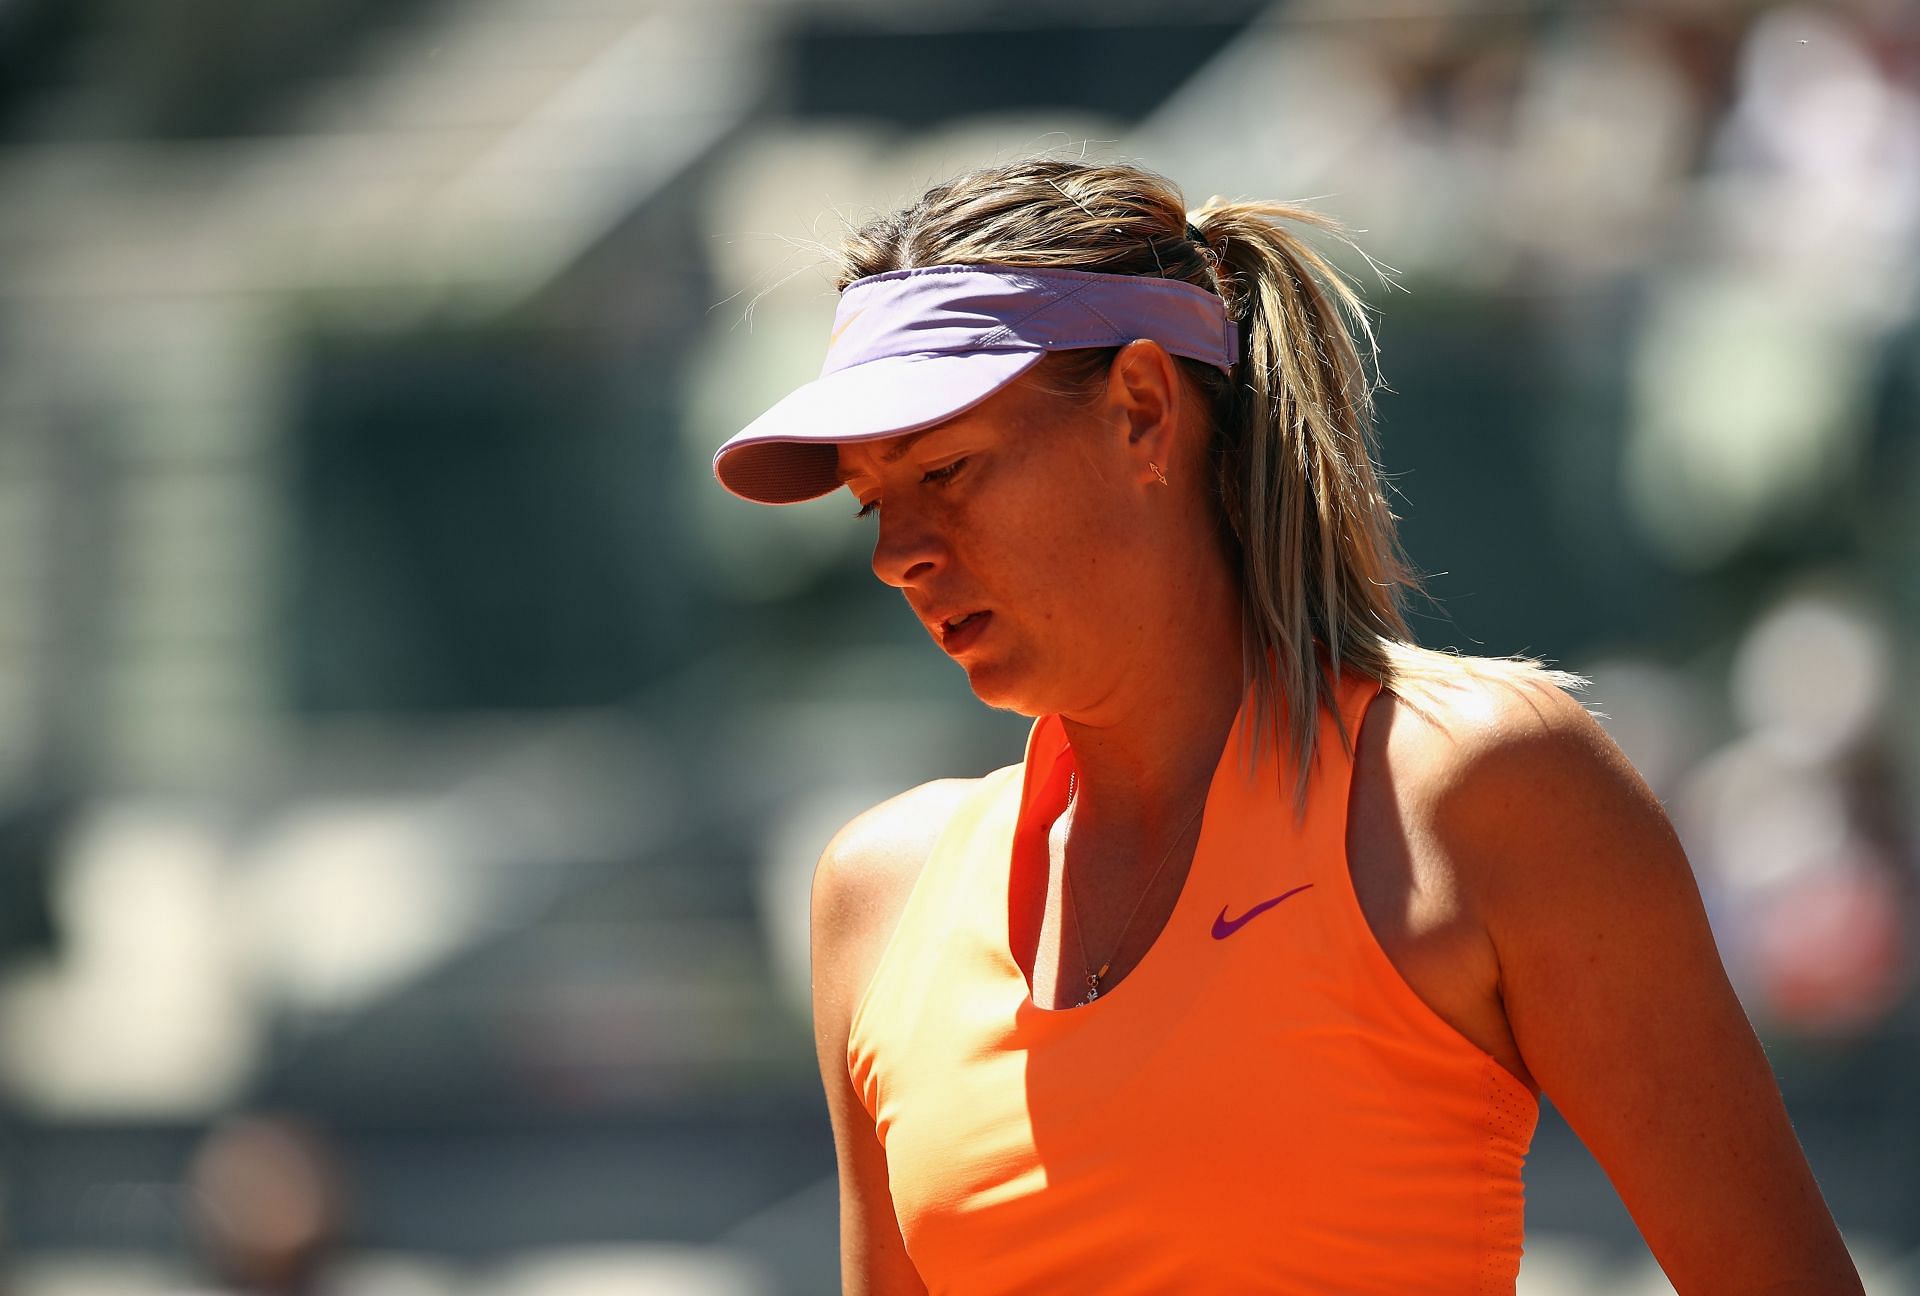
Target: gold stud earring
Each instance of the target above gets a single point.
(1156, 472)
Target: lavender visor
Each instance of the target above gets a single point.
(912, 348)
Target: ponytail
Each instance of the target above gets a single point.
(1321, 570)
(1323, 576)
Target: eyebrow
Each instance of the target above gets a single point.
(887, 456)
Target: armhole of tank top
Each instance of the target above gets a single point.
(915, 901)
(1386, 972)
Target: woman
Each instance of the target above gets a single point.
(1247, 976)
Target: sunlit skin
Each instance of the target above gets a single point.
(1520, 876)
(1112, 604)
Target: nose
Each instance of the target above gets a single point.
(907, 551)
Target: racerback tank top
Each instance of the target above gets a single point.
(1261, 1105)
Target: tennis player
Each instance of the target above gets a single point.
(1247, 977)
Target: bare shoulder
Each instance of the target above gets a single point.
(1609, 982)
(1474, 713)
(862, 882)
(1502, 743)
(1442, 775)
(865, 875)
(878, 855)
(1524, 801)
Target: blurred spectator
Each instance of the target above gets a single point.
(1802, 851)
(267, 1204)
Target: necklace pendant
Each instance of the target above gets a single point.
(1093, 988)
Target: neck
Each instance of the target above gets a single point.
(1146, 757)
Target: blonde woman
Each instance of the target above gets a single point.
(1247, 976)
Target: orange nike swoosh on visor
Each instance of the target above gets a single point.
(834, 340)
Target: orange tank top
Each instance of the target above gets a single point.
(1261, 1105)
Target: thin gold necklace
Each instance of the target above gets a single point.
(1093, 978)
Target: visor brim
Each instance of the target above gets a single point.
(787, 455)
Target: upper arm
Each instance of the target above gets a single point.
(859, 888)
(1619, 1004)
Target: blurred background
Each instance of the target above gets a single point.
(412, 764)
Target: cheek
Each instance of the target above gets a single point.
(1048, 532)
(1079, 562)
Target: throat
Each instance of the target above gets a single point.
(1103, 909)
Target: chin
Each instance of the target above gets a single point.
(1005, 689)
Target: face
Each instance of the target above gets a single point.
(1022, 535)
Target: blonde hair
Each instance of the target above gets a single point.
(1322, 576)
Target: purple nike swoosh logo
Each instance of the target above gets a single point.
(1222, 928)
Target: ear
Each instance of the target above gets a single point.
(1143, 394)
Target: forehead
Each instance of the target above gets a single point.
(1006, 412)
(859, 456)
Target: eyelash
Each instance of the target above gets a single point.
(937, 476)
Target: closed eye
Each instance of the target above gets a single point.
(937, 476)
